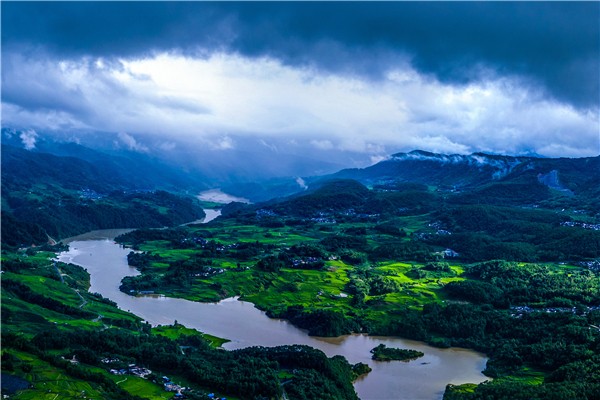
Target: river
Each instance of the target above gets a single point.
(239, 321)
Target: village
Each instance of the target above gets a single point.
(144, 373)
(518, 311)
(584, 225)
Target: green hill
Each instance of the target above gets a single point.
(44, 194)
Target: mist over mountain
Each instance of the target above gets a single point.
(482, 177)
(261, 171)
(230, 161)
(51, 196)
(470, 171)
(86, 168)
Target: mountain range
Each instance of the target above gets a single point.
(67, 173)
(471, 171)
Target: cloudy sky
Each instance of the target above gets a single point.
(356, 78)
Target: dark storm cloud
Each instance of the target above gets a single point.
(551, 44)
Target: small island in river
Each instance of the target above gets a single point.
(384, 353)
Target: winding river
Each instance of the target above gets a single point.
(244, 325)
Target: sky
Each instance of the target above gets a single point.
(323, 80)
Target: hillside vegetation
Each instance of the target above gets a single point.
(64, 342)
(58, 196)
(521, 284)
(493, 253)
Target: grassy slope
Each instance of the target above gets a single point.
(27, 319)
(292, 286)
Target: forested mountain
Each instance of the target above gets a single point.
(476, 178)
(483, 207)
(72, 166)
(471, 171)
(63, 195)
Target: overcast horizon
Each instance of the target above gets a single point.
(313, 79)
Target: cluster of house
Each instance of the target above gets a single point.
(170, 386)
(89, 194)
(436, 225)
(449, 253)
(265, 213)
(212, 397)
(196, 239)
(439, 231)
(72, 360)
(584, 225)
(204, 243)
(323, 220)
(518, 311)
(139, 191)
(448, 189)
(351, 212)
(305, 261)
(132, 369)
(321, 217)
(227, 247)
(593, 265)
(209, 271)
(431, 235)
(439, 228)
(142, 372)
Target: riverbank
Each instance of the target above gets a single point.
(65, 341)
(247, 326)
(298, 268)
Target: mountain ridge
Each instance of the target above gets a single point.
(469, 170)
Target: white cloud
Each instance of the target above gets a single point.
(167, 146)
(8, 133)
(53, 120)
(132, 144)
(28, 137)
(301, 183)
(269, 146)
(224, 143)
(378, 158)
(322, 144)
(216, 99)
